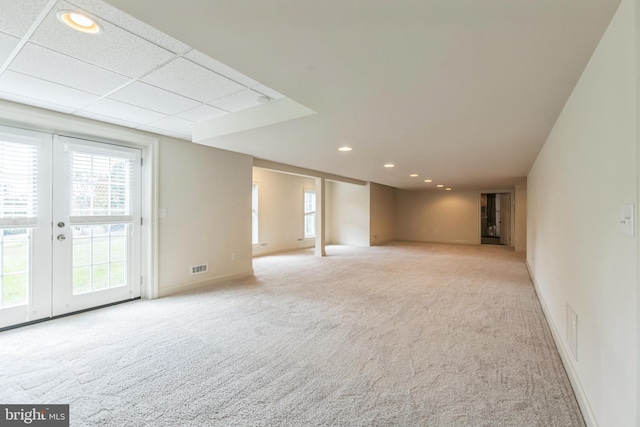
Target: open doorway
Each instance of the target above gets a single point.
(495, 219)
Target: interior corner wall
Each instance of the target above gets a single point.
(281, 211)
(520, 238)
(438, 216)
(576, 251)
(382, 214)
(348, 214)
(207, 195)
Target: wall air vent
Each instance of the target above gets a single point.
(199, 269)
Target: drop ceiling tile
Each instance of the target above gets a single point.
(238, 101)
(45, 91)
(173, 124)
(114, 48)
(185, 77)
(46, 64)
(101, 118)
(17, 16)
(34, 102)
(268, 91)
(217, 66)
(7, 44)
(117, 17)
(121, 111)
(153, 98)
(201, 113)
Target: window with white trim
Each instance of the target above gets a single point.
(309, 213)
(18, 213)
(254, 214)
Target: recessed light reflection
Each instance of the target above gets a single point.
(79, 22)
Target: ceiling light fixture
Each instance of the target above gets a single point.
(264, 99)
(447, 189)
(413, 175)
(439, 185)
(79, 21)
(345, 148)
(427, 180)
(389, 165)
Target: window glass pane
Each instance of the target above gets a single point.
(18, 180)
(310, 225)
(309, 201)
(254, 214)
(100, 185)
(15, 249)
(99, 257)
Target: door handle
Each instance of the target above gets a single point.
(61, 237)
(61, 224)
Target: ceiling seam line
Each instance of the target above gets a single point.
(25, 38)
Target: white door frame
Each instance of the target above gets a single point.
(513, 213)
(32, 118)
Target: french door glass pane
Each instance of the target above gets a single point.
(100, 254)
(100, 185)
(15, 249)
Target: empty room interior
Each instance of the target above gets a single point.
(409, 213)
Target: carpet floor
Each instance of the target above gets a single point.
(399, 335)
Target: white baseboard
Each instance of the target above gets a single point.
(172, 290)
(581, 397)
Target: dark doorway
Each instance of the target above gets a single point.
(495, 219)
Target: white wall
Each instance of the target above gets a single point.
(348, 214)
(382, 214)
(438, 216)
(207, 194)
(280, 211)
(577, 254)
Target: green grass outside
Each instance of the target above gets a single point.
(108, 270)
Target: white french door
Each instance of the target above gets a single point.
(69, 225)
(96, 224)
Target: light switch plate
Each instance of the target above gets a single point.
(627, 220)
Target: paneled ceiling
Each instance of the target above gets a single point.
(130, 74)
(460, 92)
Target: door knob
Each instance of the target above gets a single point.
(61, 237)
(61, 224)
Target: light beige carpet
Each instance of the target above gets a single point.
(401, 335)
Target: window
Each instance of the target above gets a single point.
(254, 214)
(18, 208)
(309, 213)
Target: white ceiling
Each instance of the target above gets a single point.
(458, 91)
(130, 74)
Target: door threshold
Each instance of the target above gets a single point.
(33, 322)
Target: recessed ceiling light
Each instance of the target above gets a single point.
(264, 99)
(389, 165)
(439, 185)
(345, 148)
(79, 21)
(427, 180)
(447, 189)
(413, 175)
